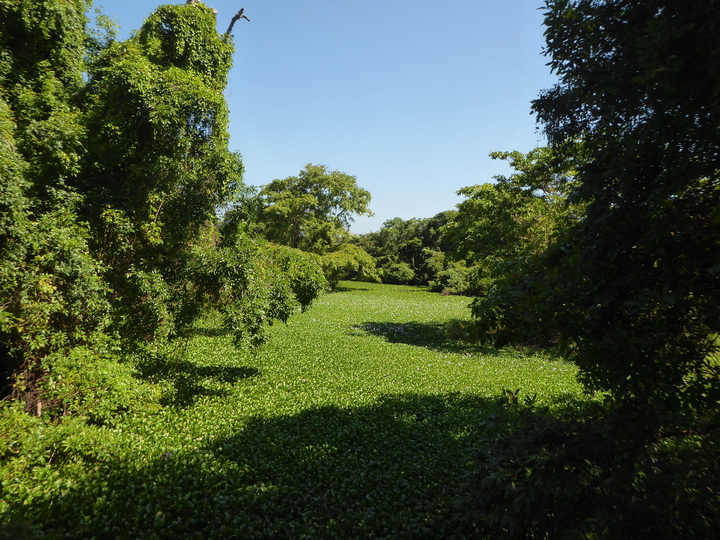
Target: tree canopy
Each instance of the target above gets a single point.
(639, 86)
(312, 211)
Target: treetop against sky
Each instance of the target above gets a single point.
(409, 97)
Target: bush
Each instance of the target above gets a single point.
(304, 271)
(398, 273)
(349, 262)
(590, 475)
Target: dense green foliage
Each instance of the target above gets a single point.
(349, 261)
(313, 210)
(52, 296)
(627, 281)
(502, 232)
(639, 272)
(410, 251)
(359, 418)
(114, 159)
(122, 291)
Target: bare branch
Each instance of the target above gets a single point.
(239, 15)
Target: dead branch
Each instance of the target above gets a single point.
(239, 15)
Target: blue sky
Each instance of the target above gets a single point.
(407, 96)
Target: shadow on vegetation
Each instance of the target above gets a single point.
(431, 335)
(211, 332)
(343, 289)
(409, 466)
(390, 470)
(187, 378)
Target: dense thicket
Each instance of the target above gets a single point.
(410, 251)
(502, 232)
(639, 85)
(629, 283)
(114, 161)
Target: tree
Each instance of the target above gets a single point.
(312, 211)
(409, 251)
(157, 163)
(52, 297)
(641, 271)
(515, 216)
(501, 232)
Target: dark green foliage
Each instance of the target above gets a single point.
(630, 284)
(51, 290)
(410, 251)
(638, 279)
(579, 475)
(42, 37)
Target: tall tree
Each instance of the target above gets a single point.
(157, 163)
(312, 211)
(640, 85)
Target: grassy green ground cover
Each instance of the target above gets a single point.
(360, 418)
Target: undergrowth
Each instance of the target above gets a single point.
(360, 418)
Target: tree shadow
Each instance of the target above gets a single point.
(430, 335)
(407, 466)
(344, 289)
(211, 332)
(393, 469)
(188, 380)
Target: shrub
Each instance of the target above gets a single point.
(349, 261)
(303, 269)
(398, 273)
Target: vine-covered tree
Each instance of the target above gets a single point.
(158, 162)
(114, 158)
(51, 293)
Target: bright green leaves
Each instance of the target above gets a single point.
(114, 159)
(312, 211)
(158, 164)
(40, 37)
(185, 37)
(51, 291)
(514, 217)
(349, 261)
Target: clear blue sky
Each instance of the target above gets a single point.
(407, 96)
